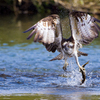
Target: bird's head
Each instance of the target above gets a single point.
(68, 47)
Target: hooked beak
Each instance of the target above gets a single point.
(66, 48)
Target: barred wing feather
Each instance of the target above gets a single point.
(87, 28)
(48, 31)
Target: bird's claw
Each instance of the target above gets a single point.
(82, 69)
(65, 66)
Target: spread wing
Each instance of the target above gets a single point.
(84, 27)
(48, 32)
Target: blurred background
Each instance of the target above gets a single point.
(47, 6)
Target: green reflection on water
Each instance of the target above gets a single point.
(12, 27)
(49, 97)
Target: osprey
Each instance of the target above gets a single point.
(48, 31)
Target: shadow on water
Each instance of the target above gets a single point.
(25, 68)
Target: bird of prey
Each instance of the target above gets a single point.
(48, 31)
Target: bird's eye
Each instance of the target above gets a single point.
(71, 45)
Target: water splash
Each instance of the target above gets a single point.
(72, 75)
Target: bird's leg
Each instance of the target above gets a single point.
(65, 65)
(81, 69)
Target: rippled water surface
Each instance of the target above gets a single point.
(25, 66)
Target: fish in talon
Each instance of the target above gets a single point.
(83, 73)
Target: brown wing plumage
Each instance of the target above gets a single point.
(48, 32)
(86, 26)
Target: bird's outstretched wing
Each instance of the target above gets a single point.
(84, 27)
(48, 32)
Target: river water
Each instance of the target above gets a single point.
(25, 68)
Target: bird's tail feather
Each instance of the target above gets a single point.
(82, 53)
(59, 57)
